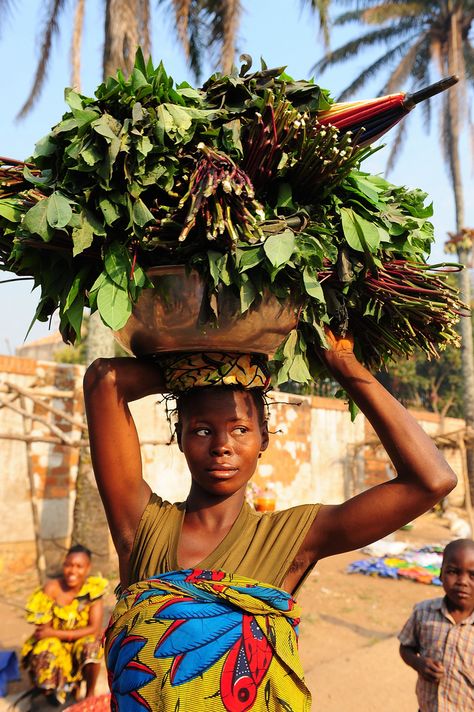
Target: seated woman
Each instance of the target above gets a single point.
(66, 645)
(207, 618)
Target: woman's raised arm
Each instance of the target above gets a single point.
(109, 386)
(423, 475)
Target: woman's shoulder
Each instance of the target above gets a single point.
(288, 514)
(94, 587)
(40, 604)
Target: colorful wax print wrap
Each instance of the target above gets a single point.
(205, 640)
(54, 664)
(191, 370)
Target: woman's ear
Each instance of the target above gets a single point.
(178, 431)
(265, 436)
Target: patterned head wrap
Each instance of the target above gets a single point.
(192, 370)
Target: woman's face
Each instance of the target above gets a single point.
(221, 436)
(76, 568)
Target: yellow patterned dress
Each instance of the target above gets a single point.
(52, 663)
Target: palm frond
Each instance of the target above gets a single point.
(404, 67)
(77, 32)
(231, 12)
(446, 135)
(222, 19)
(50, 29)
(396, 148)
(321, 7)
(422, 75)
(353, 47)
(379, 15)
(7, 8)
(386, 12)
(197, 49)
(469, 61)
(182, 9)
(372, 70)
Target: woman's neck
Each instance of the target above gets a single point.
(213, 512)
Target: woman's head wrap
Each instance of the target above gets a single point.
(194, 370)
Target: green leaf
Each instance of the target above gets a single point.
(36, 221)
(312, 285)
(84, 117)
(73, 99)
(64, 126)
(44, 178)
(165, 122)
(91, 155)
(279, 248)
(285, 196)
(74, 314)
(215, 265)
(58, 210)
(77, 286)
(141, 214)
(117, 264)
(110, 210)
(107, 126)
(298, 370)
(290, 344)
(180, 116)
(94, 221)
(139, 62)
(231, 137)
(360, 234)
(247, 293)
(82, 237)
(10, 211)
(138, 80)
(113, 304)
(46, 146)
(250, 257)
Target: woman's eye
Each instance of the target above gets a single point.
(202, 432)
(241, 429)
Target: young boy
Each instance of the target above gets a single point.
(438, 639)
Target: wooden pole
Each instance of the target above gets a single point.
(465, 476)
(40, 558)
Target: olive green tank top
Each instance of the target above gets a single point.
(259, 545)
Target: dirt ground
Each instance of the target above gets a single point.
(348, 635)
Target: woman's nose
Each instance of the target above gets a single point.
(220, 444)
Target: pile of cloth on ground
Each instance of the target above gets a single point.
(398, 560)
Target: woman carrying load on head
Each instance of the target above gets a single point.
(207, 617)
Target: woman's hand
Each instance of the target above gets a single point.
(340, 345)
(45, 631)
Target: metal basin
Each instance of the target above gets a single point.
(171, 317)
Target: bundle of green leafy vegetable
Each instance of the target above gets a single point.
(239, 181)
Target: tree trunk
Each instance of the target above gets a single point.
(89, 522)
(122, 34)
(467, 358)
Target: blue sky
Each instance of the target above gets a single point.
(277, 30)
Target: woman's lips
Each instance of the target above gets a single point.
(222, 471)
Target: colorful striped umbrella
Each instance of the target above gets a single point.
(371, 118)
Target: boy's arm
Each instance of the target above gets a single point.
(109, 386)
(423, 476)
(429, 669)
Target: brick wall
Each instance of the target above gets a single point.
(315, 455)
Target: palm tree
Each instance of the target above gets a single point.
(202, 25)
(421, 39)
